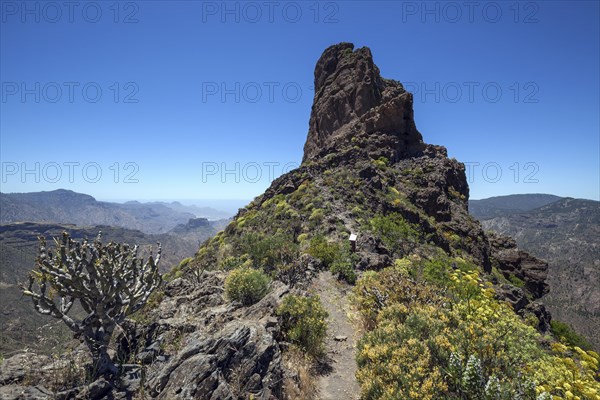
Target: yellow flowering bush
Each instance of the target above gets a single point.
(460, 344)
(490, 329)
(400, 359)
(569, 373)
(376, 290)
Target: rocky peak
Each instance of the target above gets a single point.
(352, 98)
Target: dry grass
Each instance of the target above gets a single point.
(67, 371)
(300, 381)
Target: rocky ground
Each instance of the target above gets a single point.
(200, 346)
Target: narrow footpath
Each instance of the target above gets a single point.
(339, 381)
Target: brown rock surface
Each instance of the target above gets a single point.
(351, 97)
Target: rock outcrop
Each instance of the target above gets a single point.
(512, 261)
(225, 351)
(350, 98)
(358, 115)
(198, 346)
(566, 233)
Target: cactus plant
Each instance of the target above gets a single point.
(109, 281)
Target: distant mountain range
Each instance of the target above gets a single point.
(200, 212)
(565, 232)
(506, 205)
(66, 206)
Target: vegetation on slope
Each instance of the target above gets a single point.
(455, 340)
(435, 325)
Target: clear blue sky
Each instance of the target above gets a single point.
(196, 96)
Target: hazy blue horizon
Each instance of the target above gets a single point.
(151, 100)
(227, 205)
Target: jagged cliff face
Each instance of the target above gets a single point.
(350, 98)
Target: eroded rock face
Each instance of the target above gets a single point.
(16, 392)
(351, 97)
(16, 368)
(512, 261)
(229, 351)
(199, 346)
(239, 361)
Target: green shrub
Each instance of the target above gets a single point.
(246, 285)
(439, 268)
(303, 320)
(343, 264)
(268, 251)
(344, 270)
(291, 274)
(356, 210)
(566, 334)
(403, 266)
(437, 271)
(334, 256)
(394, 231)
(376, 290)
(317, 215)
(302, 237)
(381, 162)
(231, 262)
(308, 206)
(515, 280)
(177, 271)
(185, 262)
(206, 257)
(323, 250)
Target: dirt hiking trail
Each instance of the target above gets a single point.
(338, 380)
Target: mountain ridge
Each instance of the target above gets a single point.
(509, 204)
(66, 206)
